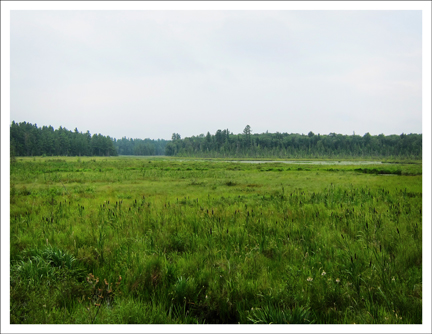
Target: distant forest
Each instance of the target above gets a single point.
(284, 145)
(147, 146)
(27, 139)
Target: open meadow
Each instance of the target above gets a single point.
(183, 241)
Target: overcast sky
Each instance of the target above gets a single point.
(147, 74)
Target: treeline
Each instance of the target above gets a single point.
(147, 146)
(284, 145)
(27, 139)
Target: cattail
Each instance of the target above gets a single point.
(227, 231)
(212, 212)
(367, 227)
(210, 231)
(352, 260)
(370, 263)
(342, 236)
(397, 230)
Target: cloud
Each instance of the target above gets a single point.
(389, 79)
(195, 71)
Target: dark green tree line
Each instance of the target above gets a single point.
(284, 145)
(129, 146)
(27, 139)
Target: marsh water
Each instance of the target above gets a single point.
(299, 162)
(342, 162)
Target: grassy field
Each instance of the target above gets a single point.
(157, 240)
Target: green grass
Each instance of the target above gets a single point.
(205, 241)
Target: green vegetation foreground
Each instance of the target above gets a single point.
(157, 240)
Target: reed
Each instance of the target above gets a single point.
(213, 242)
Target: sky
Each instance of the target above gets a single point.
(152, 73)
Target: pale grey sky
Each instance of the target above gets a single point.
(147, 74)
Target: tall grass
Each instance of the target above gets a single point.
(213, 242)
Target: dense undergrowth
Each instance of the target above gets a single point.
(140, 240)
